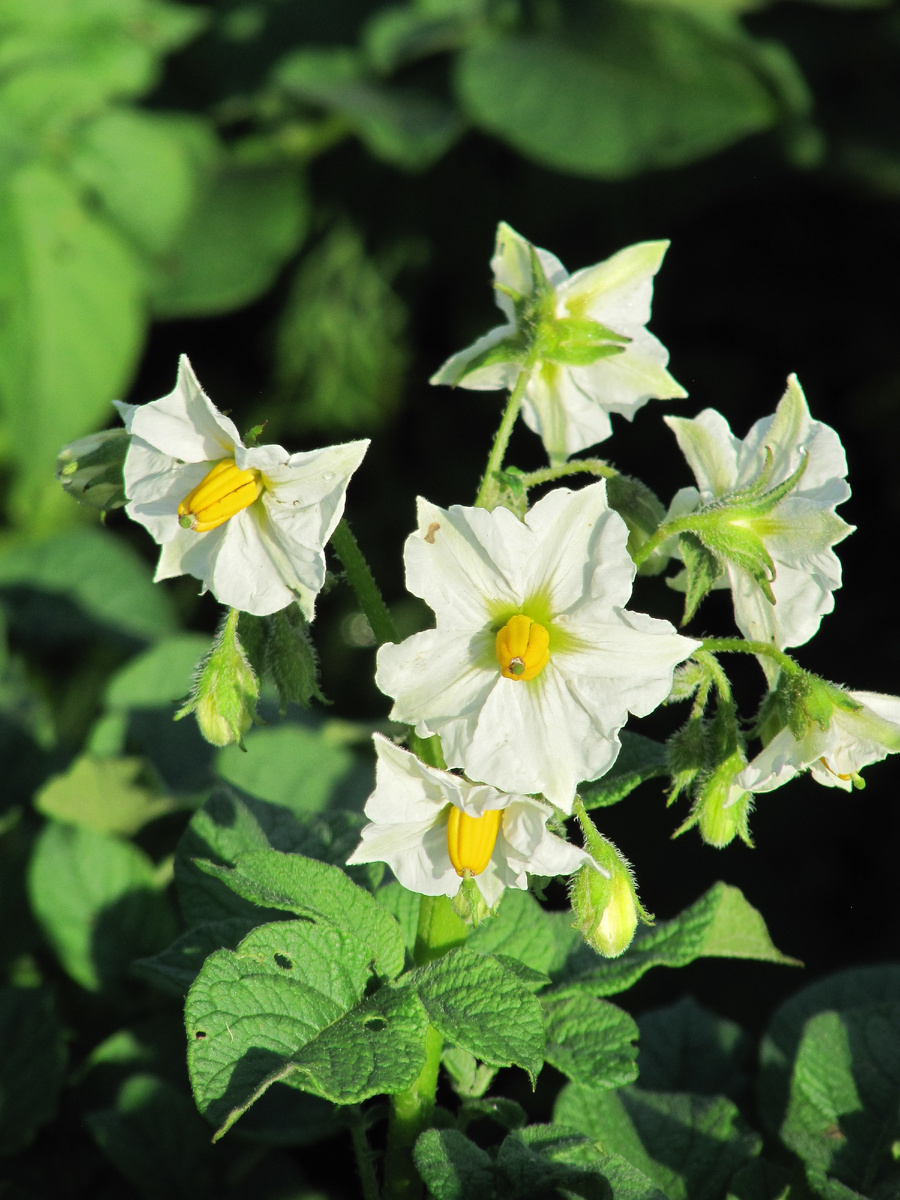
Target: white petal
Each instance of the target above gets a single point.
(512, 267)
(782, 759)
(529, 842)
(416, 853)
(488, 378)
(186, 424)
(564, 417)
(406, 789)
(251, 572)
(617, 292)
(711, 449)
(155, 485)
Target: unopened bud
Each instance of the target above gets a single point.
(291, 658)
(603, 895)
(90, 469)
(687, 753)
(225, 690)
(469, 904)
(722, 808)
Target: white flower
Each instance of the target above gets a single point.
(578, 378)
(834, 755)
(409, 812)
(798, 532)
(262, 546)
(534, 664)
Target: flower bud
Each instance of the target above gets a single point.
(225, 689)
(722, 810)
(688, 753)
(603, 895)
(291, 658)
(469, 904)
(90, 469)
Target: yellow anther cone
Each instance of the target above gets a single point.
(471, 840)
(523, 648)
(222, 492)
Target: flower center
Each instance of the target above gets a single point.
(471, 840)
(523, 648)
(222, 492)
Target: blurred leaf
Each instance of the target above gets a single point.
(108, 795)
(32, 1064)
(687, 1048)
(689, 1146)
(341, 349)
(145, 168)
(155, 1137)
(247, 222)
(396, 36)
(301, 768)
(158, 677)
(175, 968)
(92, 570)
(71, 325)
(641, 88)
(99, 902)
(409, 129)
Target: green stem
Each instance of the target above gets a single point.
(364, 1160)
(363, 583)
(742, 646)
(663, 532)
(439, 930)
(594, 466)
(495, 460)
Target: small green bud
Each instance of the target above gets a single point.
(225, 690)
(688, 753)
(291, 658)
(604, 897)
(805, 699)
(90, 469)
(723, 809)
(469, 904)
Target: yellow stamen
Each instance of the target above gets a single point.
(471, 840)
(222, 492)
(523, 648)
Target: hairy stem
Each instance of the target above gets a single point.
(487, 490)
(593, 466)
(363, 583)
(364, 1160)
(743, 646)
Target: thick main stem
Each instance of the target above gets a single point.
(488, 488)
(363, 583)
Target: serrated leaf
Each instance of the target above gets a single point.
(452, 1166)
(639, 759)
(844, 1108)
(32, 1064)
(702, 569)
(523, 929)
(108, 795)
(590, 1040)
(475, 1003)
(289, 1005)
(688, 1146)
(841, 992)
(721, 924)
(687, 1048)
(310, 888)
(99, 902)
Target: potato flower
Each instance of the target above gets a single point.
(434, 829)
(796, 534)
(583, 337)
(835, 755)
(534, 663)
(250, 523)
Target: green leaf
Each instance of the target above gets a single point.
(721, 924)
(396, 36)
(107, 795)
(145, 169)
(452, 1166)
(639, 87)
(470, 1078)
(761, 1180)
(245, 225)
(590, 1040)
(32, 1065)
(407, 128)
(403, 907)
(301, 767)
(99, 902)
(341, 346)
(95, 584)
(842, 992)
(687, 1048)
(843, 1115)
(159, 676)
(542, 1159)
(523, 929)
(156, 1139)
(478, 1005)
(702, 569)
(175, 968)
(640, 758)
(289, 1005)
(71, 329)
(688, 1146)
(315, 889)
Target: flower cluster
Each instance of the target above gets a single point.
(534, 663)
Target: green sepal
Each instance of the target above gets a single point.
(720, 535)
(803, 699)
(226, 689)
(253, 434)
(577, 341)
(513, 349)
(689, 752)
(702, 569)
(90, 469)
(511, 491)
